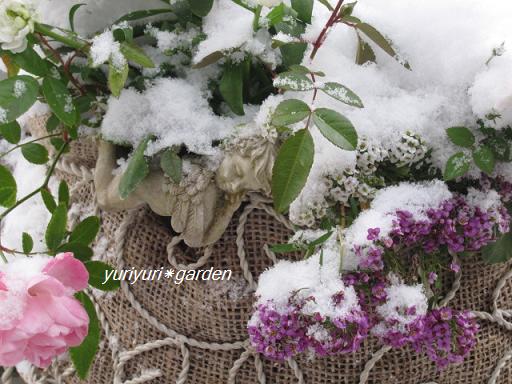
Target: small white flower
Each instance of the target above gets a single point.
(17, 18)
(268, 3)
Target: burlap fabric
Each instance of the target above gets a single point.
(158, 332)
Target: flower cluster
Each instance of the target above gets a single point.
(17, 19)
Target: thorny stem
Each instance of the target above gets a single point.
(315, 92)
(321, 38)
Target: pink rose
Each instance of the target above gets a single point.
(39, 317)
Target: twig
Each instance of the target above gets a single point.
(321, 38)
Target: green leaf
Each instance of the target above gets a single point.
(134, 53)
(461, 136)
(117, 78)
(172, 165)
(83, 355)
(336, 128)
(8, 188)
(52, 123)
(35, 153)
(98, 271)
(30, 61)
(304, 9)
(364, 53)
(11, 132)
(293, 81)
(56, 230)
(343, 94)
(499, 251)
(71, 16)
(347, 9)
(60, 101)
(209, 59)
(63, 193)
(17, 95)
(86, 231)
(291, 168)
(293, 53)
(48, 200)
(81, 251)
(137, 15)
(319, 241)
(484, 159)
(285, 248)
(136, 171)
(290, 112)
(26, 242)
(456, 166)
(200, 8)
(231, 88)
(276, 15)
(381, 41)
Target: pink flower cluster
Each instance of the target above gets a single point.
(39, 318)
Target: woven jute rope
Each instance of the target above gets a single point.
(195, 333)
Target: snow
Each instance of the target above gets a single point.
(173, 110)
(105, 48)
(19, 88)
(486, 201)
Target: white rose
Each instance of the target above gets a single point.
(268, 3)
(17, 19)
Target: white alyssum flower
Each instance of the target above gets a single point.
(17, 18)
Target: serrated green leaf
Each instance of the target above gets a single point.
(499, 251)
(8, 188)
(35, 153)
(11, 132)
(98, 272)
(291, 168)
(484, 159)
(456, 166)
(27, 243)
(231, 88)
(172, 165)
(461, 136)
(343, 94)
(290, 112)
(81, 251)
(336, 128)
(86, 231)
(48, 200)
(134, 53)
(304, 9)
(56, 230)
(117, 78)
(30, 61)
(136, 171)
(200, 8)
(293, 81)
(60, 101)
(17, 95)
(83, 355)
(63, 193)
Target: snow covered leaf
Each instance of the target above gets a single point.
(499, 251)
(290, 112)
(30, 61)
(484, 159)
(381, 41)
(172, 165)
(27, 243)
(35, 153)
(8, 188)
(200, 8)
(17, 95)
(276, 15)
(336, 128)
(364, 53)
(293, 81)
(83, 355)
(97, 272)
(86, 231)
(136, 171)
(11, 132)
(56, 230)
(457, 165)
(60, 101)
(461, 136)
(231, 88)
(291, 169)
(117, 78)
(343, 94)
(304, 9)
(134, 53)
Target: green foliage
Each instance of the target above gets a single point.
(343, 94)
(484, 159)
(63, 193)
(56, 230)
(461, 136)
(35, 153)
(457, 166)
(231, 87)
(364, 52)
(136, 171)
(80, 251)
(290, 112)
(48, 200)
(137, 15)
(17, 95)
(71, 16)
(60, 101)
(98, 270)
(117, 78)
(304, 9)
(200, 8)
(30, 61)
(291, 168)
(172, 165)
(27, 243)
(336, 128)
(293, 81)
(11, 132)
(83, 355)
(499, 251)
(8, 188)
(134, 53)
(86, 231)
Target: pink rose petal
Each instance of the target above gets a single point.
(68, 270)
